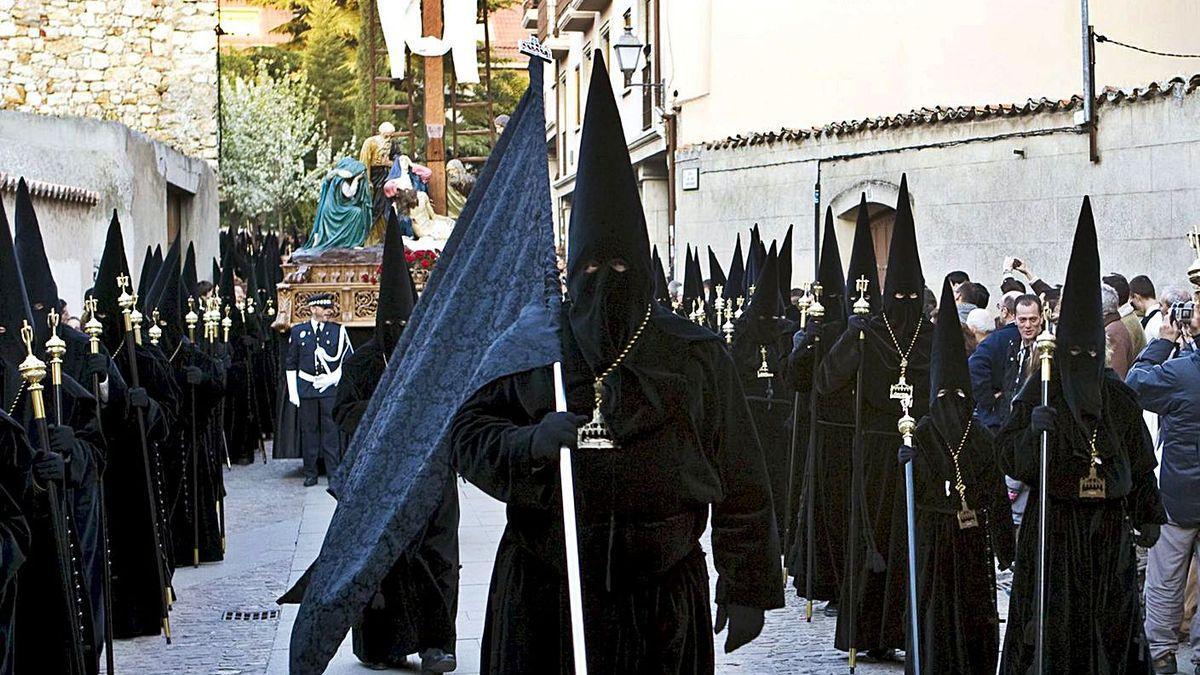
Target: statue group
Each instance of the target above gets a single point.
(359, 195)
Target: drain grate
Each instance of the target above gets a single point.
(260, 615)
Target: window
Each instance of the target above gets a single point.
(178, 202)
(606, 45)
(647, 65)
(882, 224)
(578, 100)
(562, 125)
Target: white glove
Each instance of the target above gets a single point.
(324, 381)
(293, 389)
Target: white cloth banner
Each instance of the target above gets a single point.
(401, 22)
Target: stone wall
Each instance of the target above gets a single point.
(981, 190)
(149, 64)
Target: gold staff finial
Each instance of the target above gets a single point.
(862, 306)
(55, 348)
(155, 332)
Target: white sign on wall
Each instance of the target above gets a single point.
(689, 178)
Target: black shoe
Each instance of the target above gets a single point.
(831, 609)
(309, 482)
(1165, 664)
(437, 661)
(882, 654)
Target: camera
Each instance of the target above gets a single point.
(1181, 312)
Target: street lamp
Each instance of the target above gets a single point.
(629, 52)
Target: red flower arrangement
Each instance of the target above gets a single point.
(423, 259)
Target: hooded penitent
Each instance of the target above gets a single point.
(717, 277)
(189, 282)
(754, 263)
(662, 291)
(904, 286)
(950, 399)
(151, 263)
(862, 262)
(13, 310)
(35, 267)
(397, 293)
(1079, 357)
(785, 270)
(737, 272)
(106, 290)
(829, 274)
(164, 299)
(608, 264)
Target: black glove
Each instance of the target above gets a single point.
(62, 439)
(95, 365)
(859, 323)
(138, 398)
(1148, 535)
(745, 623)
(906, 453)
(553, 432)
(48, 466)
(1043, 418)
(194, 375)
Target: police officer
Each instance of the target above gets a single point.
(316, 350)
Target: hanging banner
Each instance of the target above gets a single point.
(402, 31)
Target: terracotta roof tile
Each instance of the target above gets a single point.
(1176, 86)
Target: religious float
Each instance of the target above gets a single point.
(343, 253)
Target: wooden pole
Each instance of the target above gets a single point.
(435, 108)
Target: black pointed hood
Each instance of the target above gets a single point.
(737, 272)
(716, 275)
(41, 290)
(862, 262)
(148, 274)
(1080, 352)
(693, 279)
(765, 302)
(189, 281)
(904, 275)
(164, 298)
(397, 293)
(105, 289)
(227, 293)
(829, 275)
(950, 398)
(14, 309)
(607, 227)
(216, 272)
(754, 263)
(785, 269)
(662, 290)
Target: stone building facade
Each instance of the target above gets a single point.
(986, 182)
(149, 64)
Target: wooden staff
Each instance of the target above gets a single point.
(126, 302)
(94, 330)
(817, 312)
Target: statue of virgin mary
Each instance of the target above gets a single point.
(344, 210)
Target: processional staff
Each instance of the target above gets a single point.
(94, 330)
(1045, 344)
(862, 308)
(132, 319)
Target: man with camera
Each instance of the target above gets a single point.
(1166, 378)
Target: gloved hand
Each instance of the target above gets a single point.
(93, 365)
(48, 466)
(858, 323)
(803, 340)
(745, 623)
(194, 375)
(62, 439)
(554, 431)
(1043, 418)
(1147, 535)
(905, 454)
(294, 399)
(138, 398)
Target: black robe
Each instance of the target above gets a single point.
(956, 578)
(1093, 618)
(880, 557)
(194, 516)
(680, 419)
(830, 475)
(137, 596)
(44, 608)
(416, 605)
(771, 401)
(15, 536)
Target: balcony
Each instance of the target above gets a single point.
(576, 21)
(591, 5)
(530, 19)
